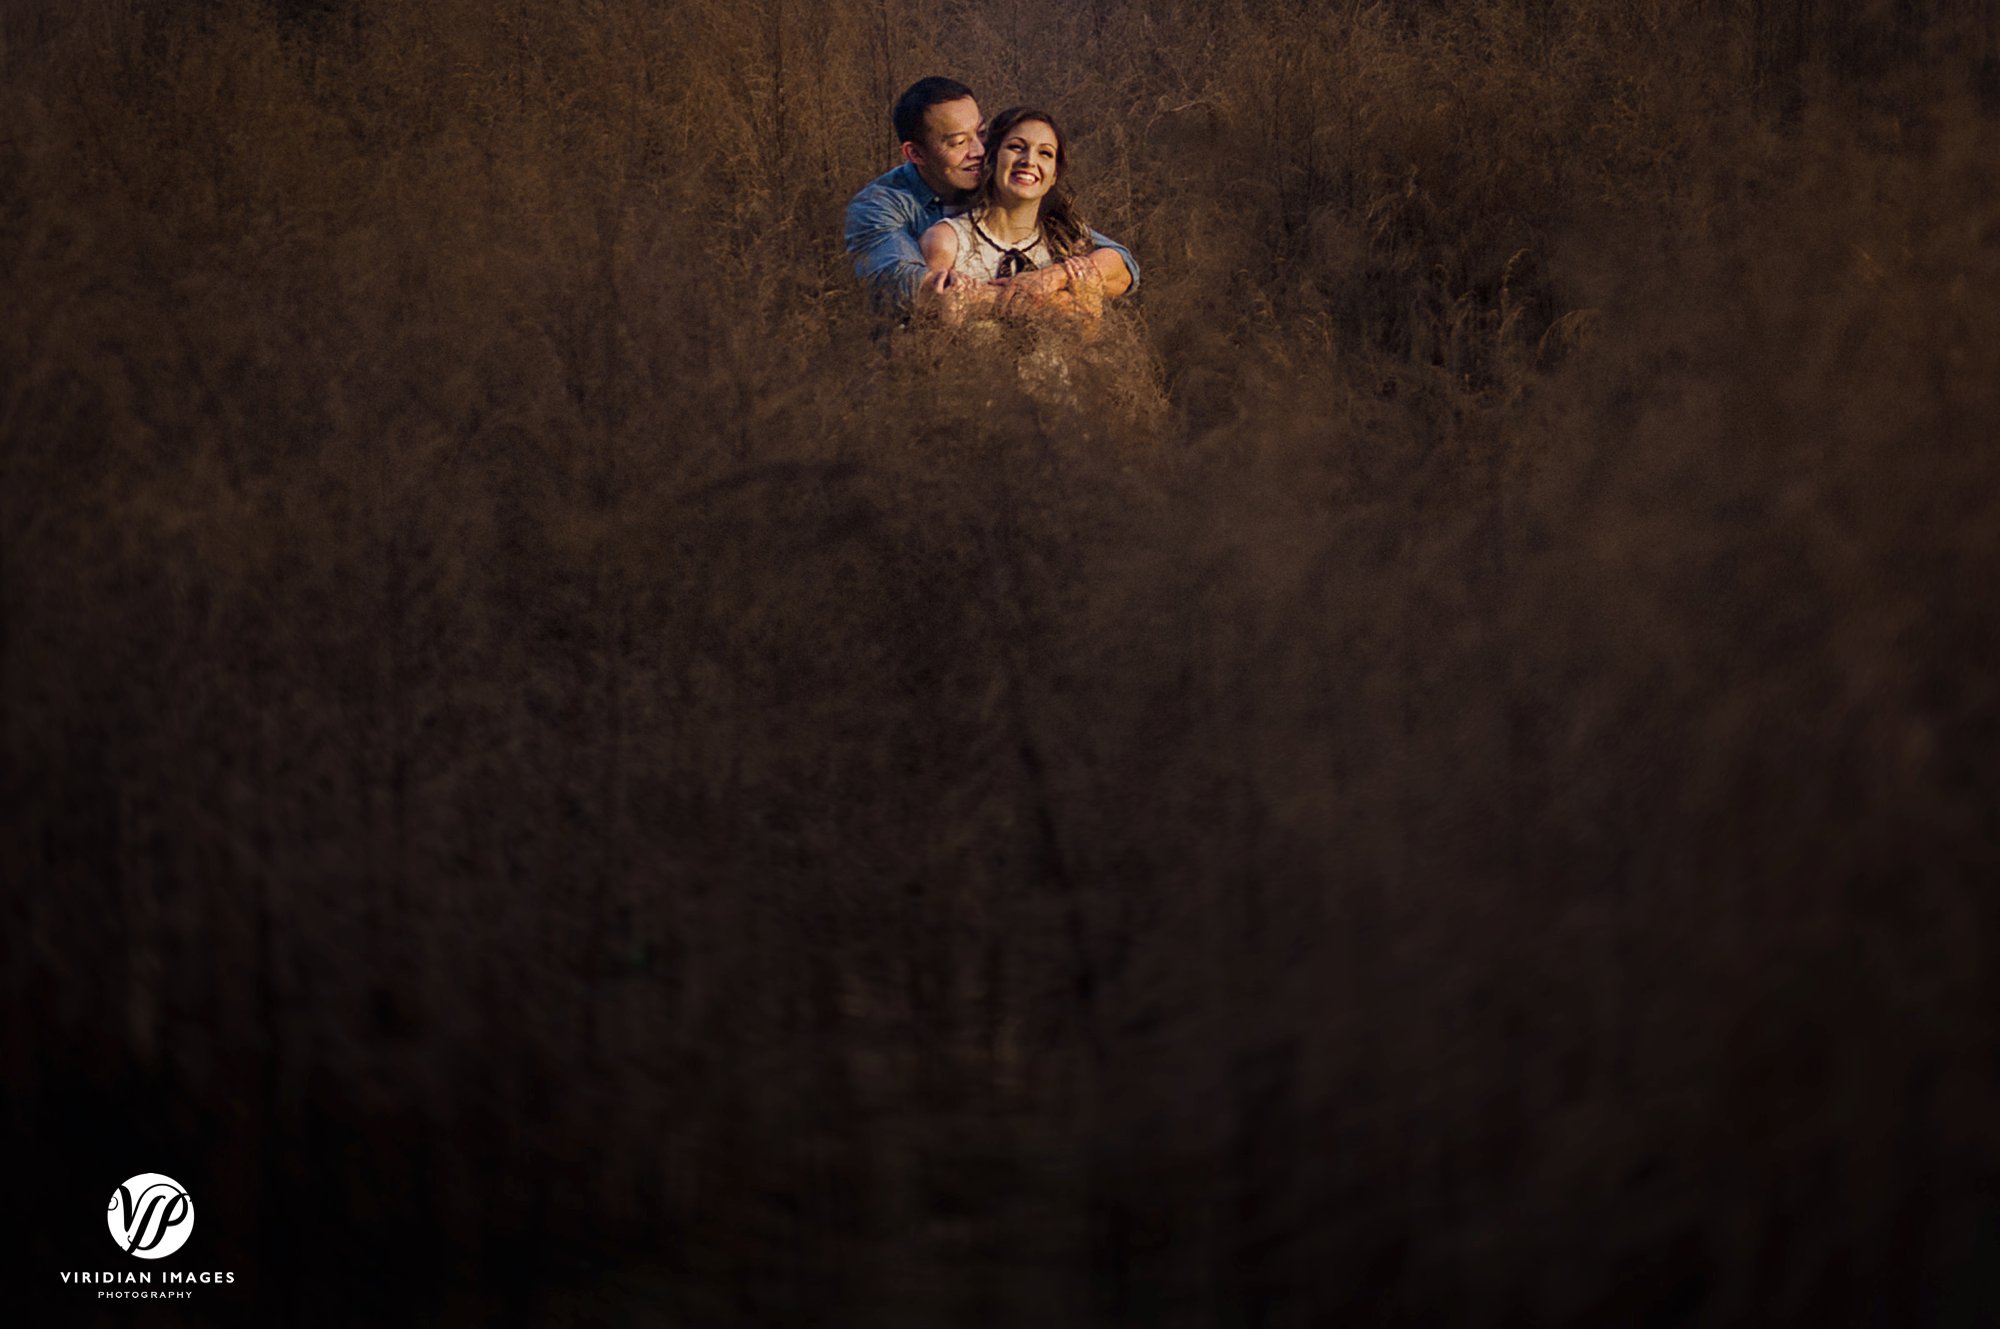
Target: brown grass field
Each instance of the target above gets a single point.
(552, 776)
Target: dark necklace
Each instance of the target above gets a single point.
(1011, 260)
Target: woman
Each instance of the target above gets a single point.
(1021, 218)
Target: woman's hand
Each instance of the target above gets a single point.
(1071, 288)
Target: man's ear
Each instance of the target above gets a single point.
(913, 154)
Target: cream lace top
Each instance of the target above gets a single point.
(979, 255)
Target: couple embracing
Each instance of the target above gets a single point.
(978, 221)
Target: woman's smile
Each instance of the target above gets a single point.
(1019, 250)
(1025, 161)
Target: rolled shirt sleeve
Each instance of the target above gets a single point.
(1103, 241)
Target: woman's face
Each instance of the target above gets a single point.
(1024, 162)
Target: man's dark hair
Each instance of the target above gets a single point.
(908, 117)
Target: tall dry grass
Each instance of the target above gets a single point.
(555, 777)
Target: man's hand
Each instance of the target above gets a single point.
(951, 297)
(936, 282)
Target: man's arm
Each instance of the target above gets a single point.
(880, 239)
(1109, 270)
(1114, 283)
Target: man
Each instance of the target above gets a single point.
(939, 125)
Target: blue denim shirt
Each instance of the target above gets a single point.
(889, 216)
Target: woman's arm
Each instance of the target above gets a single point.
(944, 291)
(940, 247)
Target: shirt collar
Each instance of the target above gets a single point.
(914, 182)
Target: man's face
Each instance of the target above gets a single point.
(948, 153)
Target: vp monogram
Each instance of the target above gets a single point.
(150, 1216)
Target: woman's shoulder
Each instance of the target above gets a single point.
(959, 227)
(940, 240)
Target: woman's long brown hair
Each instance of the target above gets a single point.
(1064, 230)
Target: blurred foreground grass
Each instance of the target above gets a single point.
(527, 723)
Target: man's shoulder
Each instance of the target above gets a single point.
(893, 188)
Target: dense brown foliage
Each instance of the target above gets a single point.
(552, 777)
